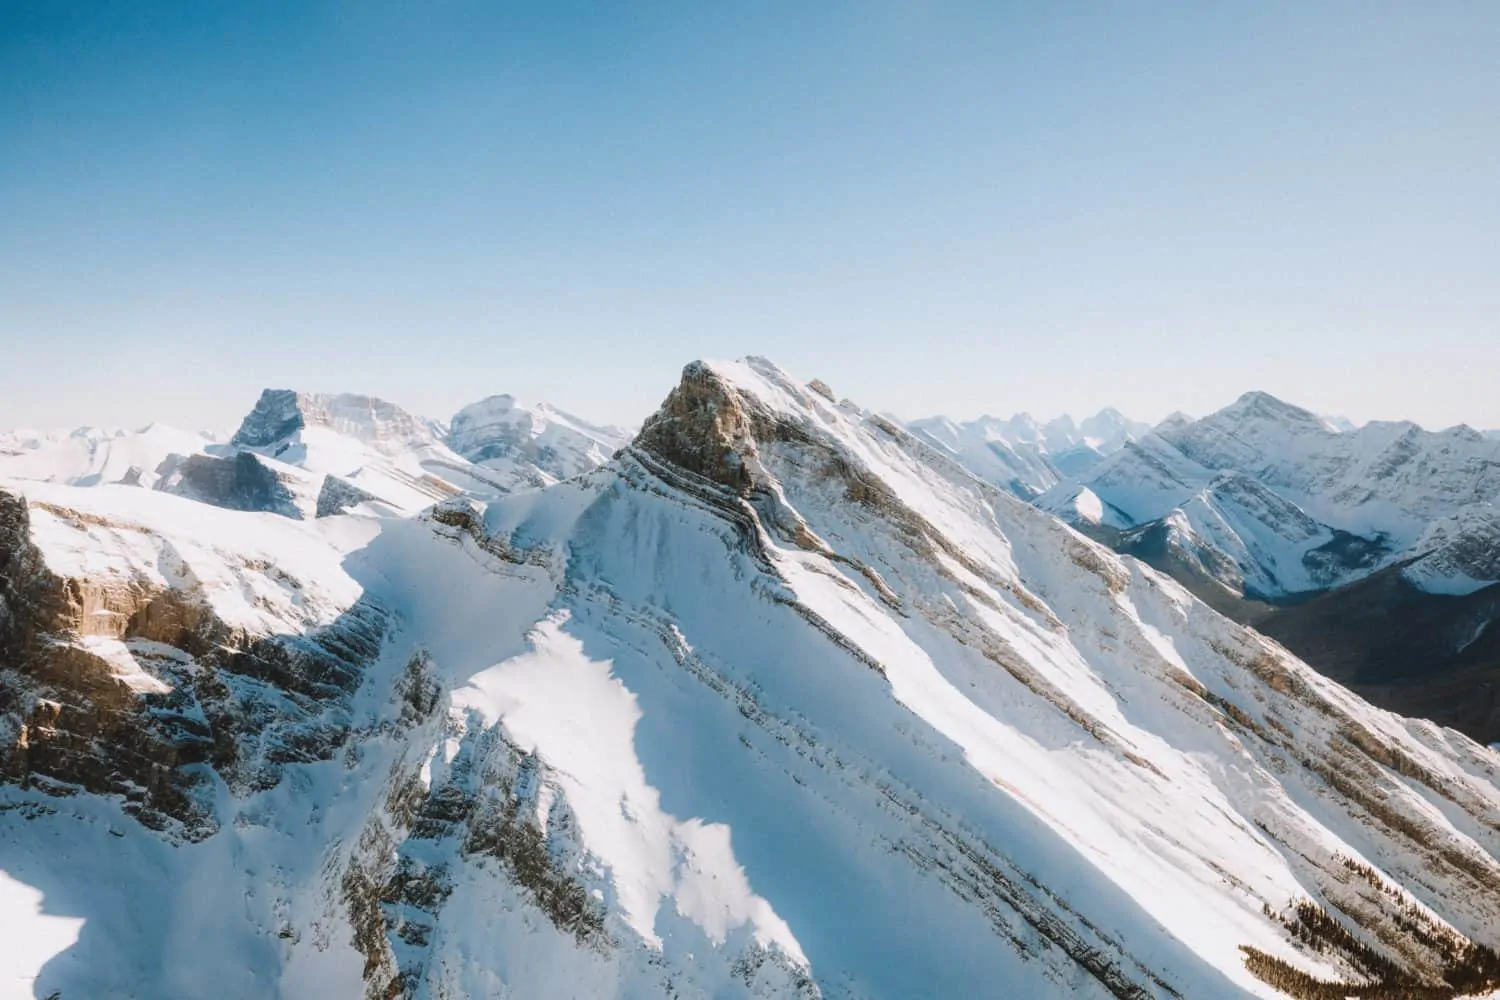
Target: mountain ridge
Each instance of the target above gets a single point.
(1327, 509)
(779, 701)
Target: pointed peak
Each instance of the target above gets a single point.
(1462, 432)
(1258, 397)
(1173, 421)
(701, 426)
(277, 414)
(710, 423)
(499, 399)
(1262, 404)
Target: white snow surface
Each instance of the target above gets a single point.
(31, 937)
(793, 743)
(91, 456)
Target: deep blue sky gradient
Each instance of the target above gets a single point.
(936, 207)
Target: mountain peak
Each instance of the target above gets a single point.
(703, 426)
(1261, 401)
(1259, 405)
(715, 421)
(279, 413)
(501, 431)
(1063, 424)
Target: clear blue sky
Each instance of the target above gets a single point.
(934, 206)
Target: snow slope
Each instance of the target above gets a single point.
(90, 456)
(780, 701)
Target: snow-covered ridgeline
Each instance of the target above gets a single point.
(781, 701)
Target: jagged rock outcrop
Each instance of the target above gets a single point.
(704, 427)
(339, 495)
(280, 413)
(242, 481)
(118, 685)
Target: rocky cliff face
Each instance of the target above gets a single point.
(280, 413)
(243, 481)
(120, 683)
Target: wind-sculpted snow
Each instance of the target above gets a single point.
(781, 701)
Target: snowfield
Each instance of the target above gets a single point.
(90, 456)
(781, 701)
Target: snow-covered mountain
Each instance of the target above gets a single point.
(1263, 506)
(388, 455)
(1280, 502)
(305, 455)
(780, 701)
(532, 445)
(1027, 457)
(1390, 478)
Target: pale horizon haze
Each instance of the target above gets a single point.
(938, 208)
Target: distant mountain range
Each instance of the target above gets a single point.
(306, 454)
(1291, 521)
(1027, 457)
